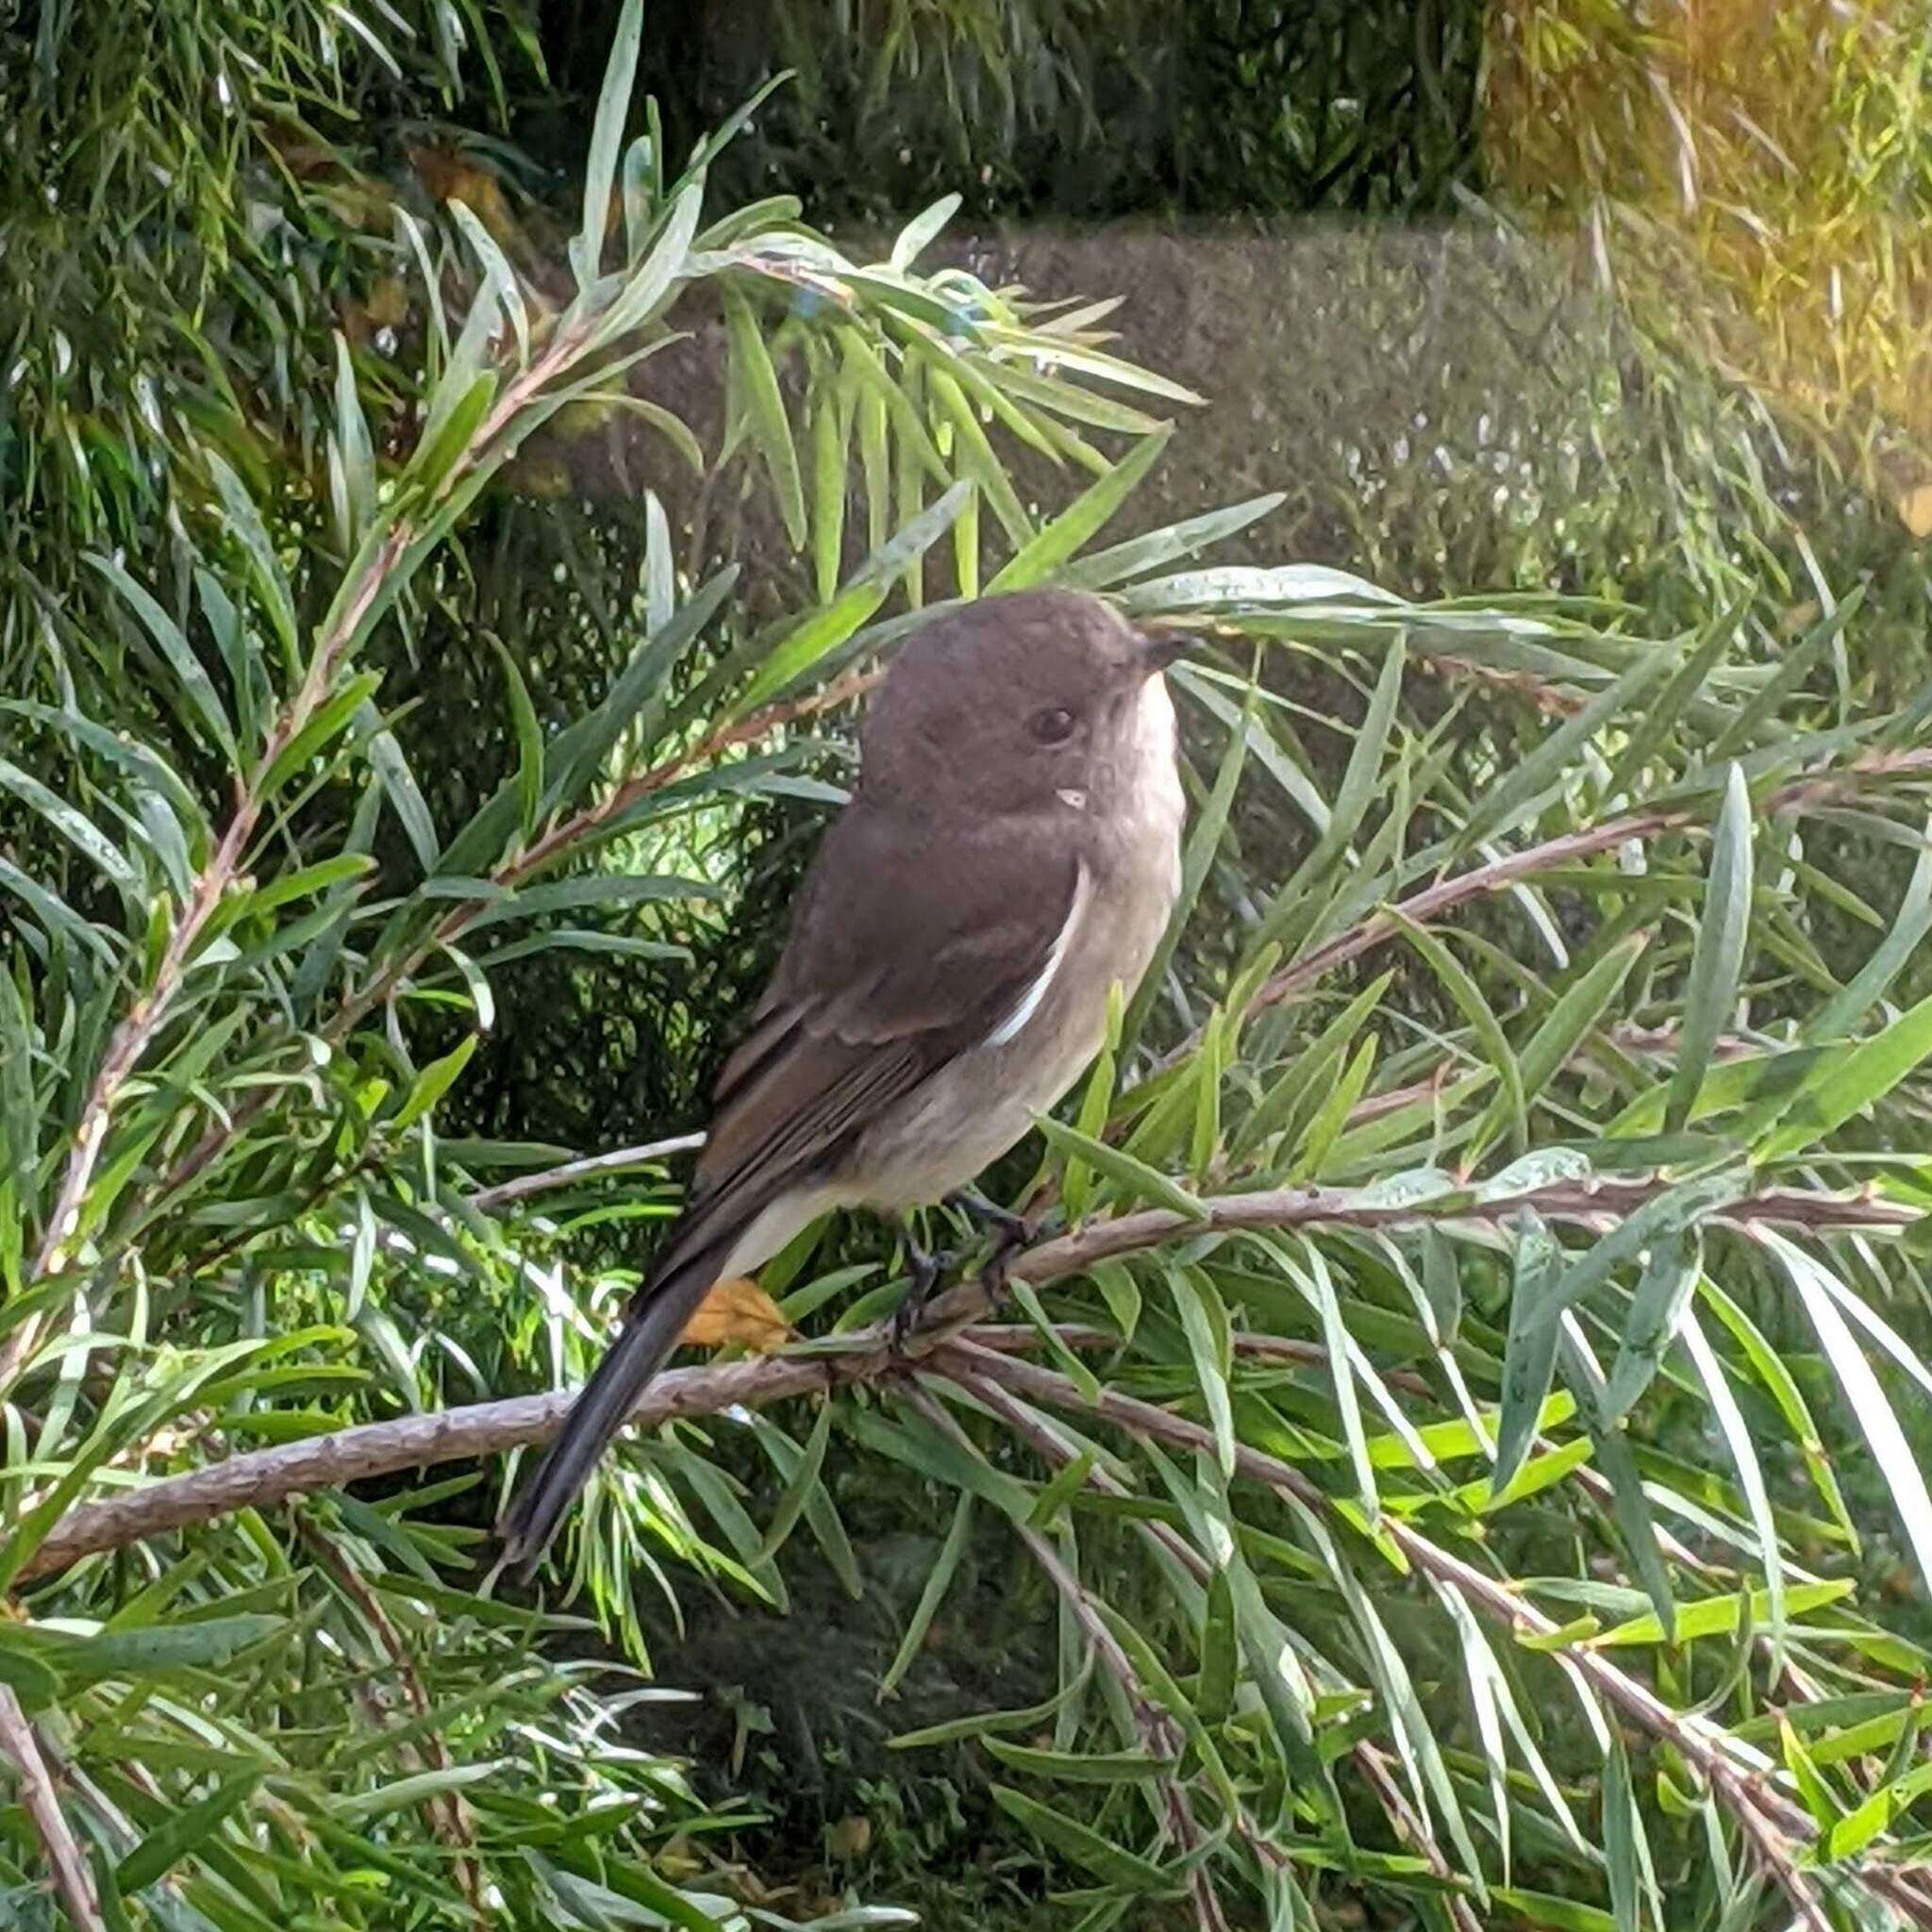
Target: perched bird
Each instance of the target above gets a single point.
(1012, 850)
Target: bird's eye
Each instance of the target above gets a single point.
(1053, 726)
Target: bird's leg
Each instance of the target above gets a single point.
(1012, 1234)
(926, 1267)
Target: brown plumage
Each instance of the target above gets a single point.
(1012, 849)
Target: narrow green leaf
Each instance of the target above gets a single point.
(175, 648)
(1074, 1768)
(1547, 1912)
(360, 1807)
(1858, 1827)
(820, 634)
(1306, 1079)
(644, 294)
(1771, 1370)
(1159, 547)
(831, 425)
(939, 1580)
(606, 141)
(1719, 960)
(1612, 1455)
(1559, 751)
(357, 454)
(173, 1839)
(770, 427)
(1056, 542)
(1336, 1342)
(399, 786)
(1824, 1808)
(797, 1492)
(918, 232)
(1332, 1115)
(1219, 1652)
(1096, 1104)
(331, 719)
(496, 269)
(1621, 1829)
(529, 740)
(1057, 1492)
(1663, 1293)
(1361, 782)
(1461, 988)
(244, 520)
(1120, 1293)
(977, 459)
(1577, 1009)
(1529, 1353)
(1109, 1862)
(1204, 1321)
(1903, 1480)
(1719, 1616)
(72, 825)
(1901, 944)
(1133, 1179)
(431, 1084)
(1843, 1087)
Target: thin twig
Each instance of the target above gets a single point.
(1432, 902)
(447, 1815)
(136, 1031)
(1159, 1735)
(1037, 1430)
(562, 837)
(66, 1864)
(1394, 1800)
(567, 834)
(490, 1199)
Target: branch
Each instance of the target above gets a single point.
(445, 1812)
(358, 597)
(66, 1865)
(568, 833)
(562, 837)
(1159, 1735)
(266, 1476)
(1761, 1808)
(1432, 902)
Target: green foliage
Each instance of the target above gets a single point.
(1463, 1456)
(1086, 107)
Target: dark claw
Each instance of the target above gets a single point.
(926, 1269)
(1015, 1230)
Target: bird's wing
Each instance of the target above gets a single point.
(908, 946)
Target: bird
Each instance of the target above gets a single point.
(1011, 850)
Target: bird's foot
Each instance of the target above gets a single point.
(1014, 1230)
(927, 1268)
(1013, 1234)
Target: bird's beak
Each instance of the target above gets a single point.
(1161, 648)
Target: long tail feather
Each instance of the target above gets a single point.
(663, 1311)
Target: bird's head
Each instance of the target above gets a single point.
(1038, 701)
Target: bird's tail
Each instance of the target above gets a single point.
(662, 1311)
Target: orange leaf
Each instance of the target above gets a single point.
(1915, 510)
(738, 1311)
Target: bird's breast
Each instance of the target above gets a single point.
(972, 1110)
